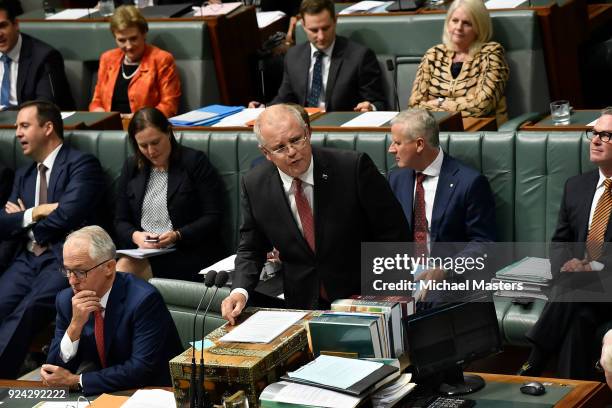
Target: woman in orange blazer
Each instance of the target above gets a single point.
(135, 74)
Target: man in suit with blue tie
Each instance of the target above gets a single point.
(57, 193)
(111, 326)
(443, 199)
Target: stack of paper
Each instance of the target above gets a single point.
(284, 393)
(265, 18)
(388, 396)
(263, 327)
(206, 116)
(533, 273)
(367, 6)
(371, 119)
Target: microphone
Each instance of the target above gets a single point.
(209, 281)
(391, 68)
(220, 281)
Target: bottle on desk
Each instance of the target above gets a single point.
(48, 8)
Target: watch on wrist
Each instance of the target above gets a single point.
(440, 101)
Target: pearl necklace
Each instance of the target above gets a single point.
(123, 70)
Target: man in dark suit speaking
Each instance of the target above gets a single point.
(329, 71)
(113, 323)
(444, 200)
(29, 68)
(315, 206)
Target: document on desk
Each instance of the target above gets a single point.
(71, 14)
(142, 253)
(216, 9)
(371, 119)
(67, 114)
(263, 327)
(226, 264)
(151, 399)
(502, 4)
(241, 118)
(265, 18)
(193, 117)
(367, 6)
(337, 372)
(300, 394)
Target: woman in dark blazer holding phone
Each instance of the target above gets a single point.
(170, 196)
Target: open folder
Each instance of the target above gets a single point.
(325, 371)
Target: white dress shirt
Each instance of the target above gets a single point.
(430, 184)
(307, 187)
(27, 215)
(325, 63)
(14, 56)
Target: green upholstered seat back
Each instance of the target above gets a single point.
(405, 38)
(182, 299)
(82, 42)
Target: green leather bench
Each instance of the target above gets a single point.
(405, 38)
(81, 43)
(527, 172)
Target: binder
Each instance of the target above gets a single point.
(365, 386)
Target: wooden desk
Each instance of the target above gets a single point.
(478, 124)
(585, 394)
(578, 122)
(332, 121)
(79, 120)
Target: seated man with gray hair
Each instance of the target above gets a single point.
(113, 330)
(443, 199)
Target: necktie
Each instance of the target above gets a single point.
(305, 213)
(317, 80)
(5, 91)
(42, 184)
(420, 218)
(595, 238)
(38, 249)
(99, 334)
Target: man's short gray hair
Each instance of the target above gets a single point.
(101, 246)
(282, 107)
(417, 122)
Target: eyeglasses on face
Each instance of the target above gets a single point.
(603, 135)
(295, 142)
(80, 275)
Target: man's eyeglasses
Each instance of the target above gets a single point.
(80, 275)
(603, 135)
(296, 143)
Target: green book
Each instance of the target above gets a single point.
(346, 333)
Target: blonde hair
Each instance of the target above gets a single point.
(127, 17)
(481, 21)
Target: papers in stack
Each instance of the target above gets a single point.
(288, 393)
(503, 4)
(367, 6)
(151, 399)
(70, 14)
(241, 118)
(388, 396)
(265, 18)
(371, 119)
(534, 274)
(226, 264)
(263, 327)
(346, 375)
(206, 116)
(141, 253)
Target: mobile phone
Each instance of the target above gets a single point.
(151, 240)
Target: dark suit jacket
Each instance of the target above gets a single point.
(194, 199)
(569, 239)
(352, 204)
(76, 183)
(139, 338)
(354, 76)
(6, 183)
(464, 207)
(41, 74)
